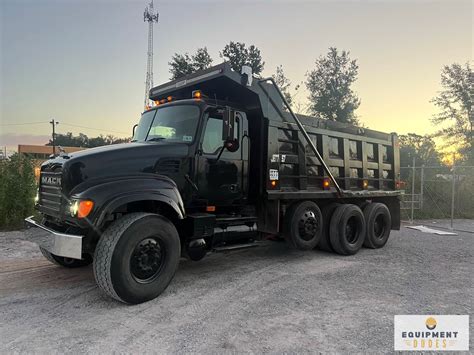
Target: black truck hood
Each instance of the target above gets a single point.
(119, 160)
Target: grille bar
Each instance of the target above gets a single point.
(50, 195)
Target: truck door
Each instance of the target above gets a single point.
(222, 180)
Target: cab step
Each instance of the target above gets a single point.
(224, 222)
(223, 249)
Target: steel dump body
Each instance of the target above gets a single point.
(353, 154)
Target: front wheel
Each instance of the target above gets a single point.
(137, 257)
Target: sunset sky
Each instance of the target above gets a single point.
(83, 62)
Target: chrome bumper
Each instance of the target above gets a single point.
(56, 243)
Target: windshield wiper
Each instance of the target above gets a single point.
(155, 139)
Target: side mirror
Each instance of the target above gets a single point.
(133, 130)
(229, 127)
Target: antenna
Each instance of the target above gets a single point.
(149, 16)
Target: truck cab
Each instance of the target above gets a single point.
(213, 171)
(217, 162)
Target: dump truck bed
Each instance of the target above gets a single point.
(360, 162)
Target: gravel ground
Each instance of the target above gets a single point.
(265, 299)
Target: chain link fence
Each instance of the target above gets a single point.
(437, 192)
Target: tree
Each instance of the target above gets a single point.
(17, 190)
(455, 102)
(329, 85)
(283, 83)
(238, 55)
(183, 64)
(69, 140)
(422, 148)
(201, 59)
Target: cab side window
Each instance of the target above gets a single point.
(212, 141)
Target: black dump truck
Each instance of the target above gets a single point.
(220, 161)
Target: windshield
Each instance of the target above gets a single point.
(174, 124)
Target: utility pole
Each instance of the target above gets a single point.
(149, 16)
(54, 123)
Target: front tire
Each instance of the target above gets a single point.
(137, 257)
(66, 262)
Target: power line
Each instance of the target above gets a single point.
(65, 124)
(22, 124)
(95, 129)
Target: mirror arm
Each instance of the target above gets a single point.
(220, 153)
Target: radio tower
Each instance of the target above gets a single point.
(149, 16)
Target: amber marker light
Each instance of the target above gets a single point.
(273, 183)
(197, 94)
(84, 208)
(157, 102)
(365, 184)
(326, 184)
(169, 98)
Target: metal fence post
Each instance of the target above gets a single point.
(413, 190)
(422, 177)
(453, 189)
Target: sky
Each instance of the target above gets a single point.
(83, 62)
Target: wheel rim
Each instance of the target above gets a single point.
(352, 230)
(379, 226)
(147, 260)
(308, 225)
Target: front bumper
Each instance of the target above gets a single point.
(60, 244)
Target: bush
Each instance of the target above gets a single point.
(17, 191)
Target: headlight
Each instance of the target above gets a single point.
(37, 197)
(74, 208)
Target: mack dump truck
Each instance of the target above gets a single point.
(220, 161)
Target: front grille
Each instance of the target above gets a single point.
(50, 193)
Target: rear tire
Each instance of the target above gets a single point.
(303, 225)
(66, 262)
(327, 212)
(347, 229)
(137, 257)
(379, 223)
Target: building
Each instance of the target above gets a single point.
(41, 153)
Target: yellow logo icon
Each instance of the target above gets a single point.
(430, 323)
